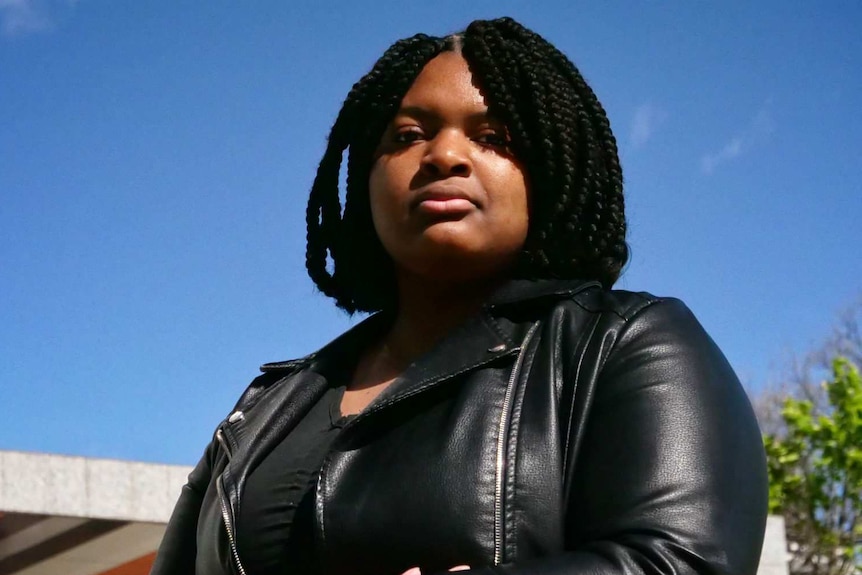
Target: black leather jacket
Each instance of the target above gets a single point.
(565, 429)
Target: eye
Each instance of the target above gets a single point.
(497, 139)
(407, 135)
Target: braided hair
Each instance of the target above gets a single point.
(558, 130)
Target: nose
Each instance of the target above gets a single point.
(447, 154)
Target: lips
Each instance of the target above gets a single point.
(444, 200)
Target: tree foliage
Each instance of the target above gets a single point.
(803, 374)
(815, 475)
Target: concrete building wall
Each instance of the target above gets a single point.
(773, 558)
(88, 487)
(62, 515)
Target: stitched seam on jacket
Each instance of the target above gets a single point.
(634, 310)
(643, 299)
(491, 322)
(244, 403)
(512, 449)
(577, 376)
(425, 383)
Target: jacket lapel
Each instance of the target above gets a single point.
(476, 343)
(483, 339)
(257, 431)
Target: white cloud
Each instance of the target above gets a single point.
(21, 17)
(757, 131)
(646, 121)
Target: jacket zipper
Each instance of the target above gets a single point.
(225, 512)
(501, 448)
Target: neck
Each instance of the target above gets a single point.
(428, 311)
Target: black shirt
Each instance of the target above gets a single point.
(275, 526)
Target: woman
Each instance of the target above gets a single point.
(504, 409)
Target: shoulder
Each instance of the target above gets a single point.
(327, 360)
(633, 308)
(621, 303)
(272, 374)
(621, 325)
(647, 339)
(589, 297)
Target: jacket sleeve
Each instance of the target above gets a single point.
(178, 549)
(671, 475)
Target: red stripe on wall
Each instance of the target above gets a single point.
(139, 566)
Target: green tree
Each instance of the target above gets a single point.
(815, 476)
(802, 374)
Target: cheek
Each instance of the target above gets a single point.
(378, 182)
(513, 190)
(520, 192)
(384, 179)
(382, 197)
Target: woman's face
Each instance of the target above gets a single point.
(448, 200)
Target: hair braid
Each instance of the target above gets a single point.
(369, 106)
(608, 241)
(581, 227)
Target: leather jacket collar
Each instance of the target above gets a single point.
(511, 294)
(481, 340)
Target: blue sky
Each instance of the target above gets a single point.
(155, 159)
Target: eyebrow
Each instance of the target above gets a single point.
(425, 113)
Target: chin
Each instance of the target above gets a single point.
(454, 264)
(452, 252)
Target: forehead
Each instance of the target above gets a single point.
(445, 84)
